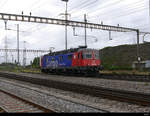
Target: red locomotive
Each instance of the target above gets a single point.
(80, 60)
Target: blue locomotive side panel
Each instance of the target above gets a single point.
(51, 62)
(65, 60)
(58, 61)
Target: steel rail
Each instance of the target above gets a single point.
(2, 110)
(41, 108)
(58, 97)
(115, 94)
(125, 77)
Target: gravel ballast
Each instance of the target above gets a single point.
(143, 87)
(105, 104)
(50, 101)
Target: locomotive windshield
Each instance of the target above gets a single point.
(88, 54)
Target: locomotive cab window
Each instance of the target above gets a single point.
(69, 57)
(88, 56)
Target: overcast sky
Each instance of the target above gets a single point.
(126, 13)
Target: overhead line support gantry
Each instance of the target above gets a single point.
(36, 19)
(45, 20)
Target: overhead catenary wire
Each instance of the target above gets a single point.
(85, 5)
(89, 7)
(78, 5)
(127, 10)
(1, 1)
(115, 4)
(35, 27)
(3, 4)
(123, 14)
(34, 3)
(137, 26)
(93, 16)
(133, 6)
(106, 6)
(40, 5)
(105, 36)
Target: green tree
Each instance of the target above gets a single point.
(36, 62)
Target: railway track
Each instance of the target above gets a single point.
(114, 94)
(52, 101)
(12, 103)
(126, 77)
(2, 111)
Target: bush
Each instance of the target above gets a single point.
(114, 67)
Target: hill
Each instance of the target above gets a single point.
(121, 57)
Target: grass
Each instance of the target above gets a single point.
(19, 69)
(146, 84)
(124, 72)
(38, 71)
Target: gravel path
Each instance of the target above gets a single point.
(143, 87)
(112, 106)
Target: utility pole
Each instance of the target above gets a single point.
(12, 58)
(138, 54)
(149, 10)
(24, 55)
(18, 43)
(66, 19)
(85, 20)
(110, 35)
(5, 21)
